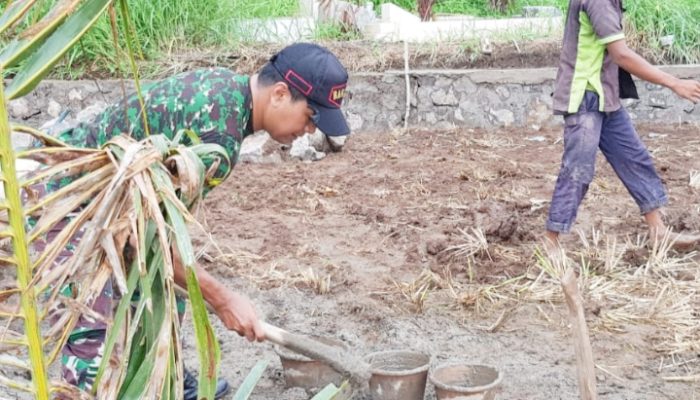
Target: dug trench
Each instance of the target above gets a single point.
(428, 241)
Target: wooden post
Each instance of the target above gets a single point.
(582, 343)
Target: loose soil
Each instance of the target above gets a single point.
(363, 56)
(366, 56)
(323, 247)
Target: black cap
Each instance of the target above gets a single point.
(319, 76)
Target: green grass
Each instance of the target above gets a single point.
(169, 25)
(477, 8)
(329, 31)
(651, 19)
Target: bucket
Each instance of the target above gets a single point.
(301, 371)
(465, 382)
(398, 375)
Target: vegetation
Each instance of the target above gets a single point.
(649, 20)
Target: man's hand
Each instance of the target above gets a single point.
(639, 67)
(238, 314)
(687, 89)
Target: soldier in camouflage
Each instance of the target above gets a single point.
(300, 89)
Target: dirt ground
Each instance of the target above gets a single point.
(368, 56)
(374, 246)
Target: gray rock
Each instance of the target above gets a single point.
(253, 148)
(657, 102)
(54, 109)
(318, 141)
(364, 87)
(503, 117)
(260, 149)
(389, 78)
(431, 118)
(19, 109)
(303, 150)
(424, 97)
(627, 103)
(391, 103)
(54, 126)
(538, 113)
(458, 115)
(464, 84)
(503, 92)
(444, 98)
(652, 87)
(336, 143)
(89, 113)
(75, 94)
(354, 121)
(443, 83)
(21, 141)
(393, 119)
(482, 97)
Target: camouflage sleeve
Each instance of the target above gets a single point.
(213, 103)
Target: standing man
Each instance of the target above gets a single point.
(593, 75)
(300, 89)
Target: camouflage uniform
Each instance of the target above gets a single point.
(214, 103)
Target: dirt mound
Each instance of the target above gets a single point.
(365, 56)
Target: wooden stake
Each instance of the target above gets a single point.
(582, 343)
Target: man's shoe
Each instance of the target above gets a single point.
(191, 386)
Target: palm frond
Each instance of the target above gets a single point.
(21, 260)
(50, 48)
(139, 198)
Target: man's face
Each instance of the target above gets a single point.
(288, 119)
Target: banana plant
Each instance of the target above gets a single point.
(128, 195)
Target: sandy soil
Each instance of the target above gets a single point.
(340, 248)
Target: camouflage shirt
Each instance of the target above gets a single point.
(214, 103)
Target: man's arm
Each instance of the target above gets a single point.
(636, 65)
(233, 309)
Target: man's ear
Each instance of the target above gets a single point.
(279, 93)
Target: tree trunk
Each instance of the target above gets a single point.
(425, 9)
(500, 5)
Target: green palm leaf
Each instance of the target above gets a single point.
(131, 192)
(16, 230)
(51, 50)
(329, 392)
(246, 388)
(149, 209)
(14, 12)
(31, 38)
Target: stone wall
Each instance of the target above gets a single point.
(489, 99)
(377, 101)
